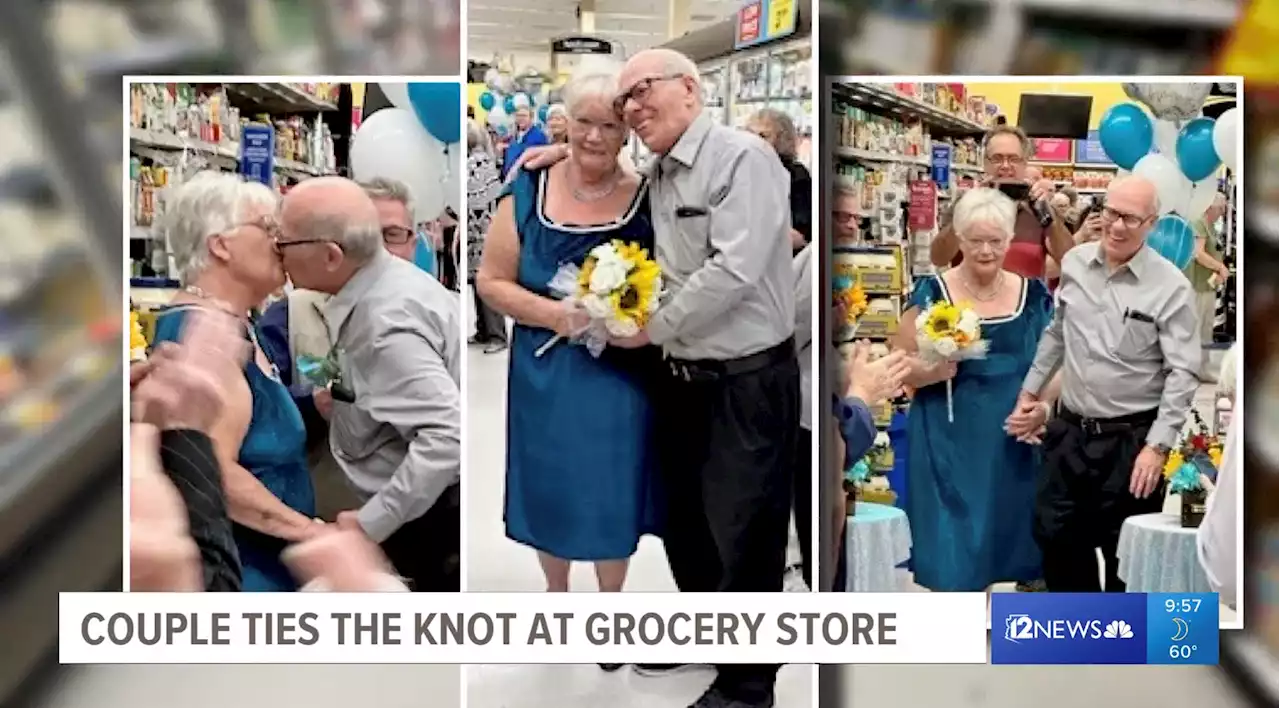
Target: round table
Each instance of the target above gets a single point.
(1156, 554)
(879, 541)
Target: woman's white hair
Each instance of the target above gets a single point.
(209, 204)
(478, 138)
(983, 205)
(602, 86)
(557, 109)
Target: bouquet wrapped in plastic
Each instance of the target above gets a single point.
(947, 332)
(618, 286)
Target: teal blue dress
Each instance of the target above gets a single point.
(273, 451)
(580, 478)
(970, 486)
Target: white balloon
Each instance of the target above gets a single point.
(398, 94)
(1226, 136)
(522, 100)
(1171, 185)
(493, 79)
(1165, 136)
(392, 144)
(1202, 195)
(498, 117)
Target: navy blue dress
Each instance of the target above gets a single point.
(580, 484)
(970, 485)
(274, 451)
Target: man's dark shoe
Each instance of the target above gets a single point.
(715, 698)
(476, 340)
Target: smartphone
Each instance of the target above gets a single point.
(1017, 191)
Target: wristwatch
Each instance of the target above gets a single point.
(1161, 448)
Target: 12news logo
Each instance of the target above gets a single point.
(1021, 627)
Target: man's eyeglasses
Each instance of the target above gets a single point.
(1012, 160)
(1131, 221)
(281, 245)
(639, 91)
(396, 235)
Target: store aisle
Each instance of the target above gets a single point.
(494, 563)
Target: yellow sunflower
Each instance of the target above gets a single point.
(584, 275)
(633, 299)
(136, 338)
(941, 320)
(1173, 464)
(1215, 456)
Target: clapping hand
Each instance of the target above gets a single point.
(343, 561)
(181, 387)
(874, 382)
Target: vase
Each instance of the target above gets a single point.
(1193, 505)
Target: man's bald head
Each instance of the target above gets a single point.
(661, 95)
(333, 209)
(1134, 189)
(1132, 207)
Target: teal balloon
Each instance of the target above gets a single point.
(1197, 157)
(509, 105)
(1126, 134)
(487, 101)
(542, 112)
(1173, 238)
(439, 109)
(424, 256)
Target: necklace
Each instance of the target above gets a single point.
(991, 295)
(588, 196)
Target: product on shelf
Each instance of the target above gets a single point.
(950, 98)
(1092, 179)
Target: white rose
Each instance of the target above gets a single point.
(968, 322)
(882, 439)
(607, 276)
(597, 307)
(945, 348)
(625, 327)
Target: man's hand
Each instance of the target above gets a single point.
(633, 342)
(1042, 189)
(874, 382)
(349, 521)
(323, 398)
(1091, 229)
(537, 158)
(1146, 472)
(1028, 416)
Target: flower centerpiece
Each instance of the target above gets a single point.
(1192, 470)
(947, 332)
(618, 286)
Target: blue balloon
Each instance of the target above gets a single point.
(487, 101)
(1196, 154)
(509, 105)
(1173, 238)
(542, 112)
(1126, 134)
(439, 109)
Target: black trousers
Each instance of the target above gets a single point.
(1083, 498)
(426, 550)
(802, 501)
(727, 442)
(491, 326)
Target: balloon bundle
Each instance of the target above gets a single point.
(1165, 138)
(412, 142)
(506, 95)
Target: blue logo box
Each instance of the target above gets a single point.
(1104, 628)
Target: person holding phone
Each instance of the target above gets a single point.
(1039, 232)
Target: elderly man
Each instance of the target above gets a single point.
(394, 330)
(1006, 150)
(1125, 336)
(728, 414)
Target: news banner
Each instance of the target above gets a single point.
(684, 628)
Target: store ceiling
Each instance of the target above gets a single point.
(525, 26)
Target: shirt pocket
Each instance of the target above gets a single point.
(694, 239)
(355, 433)
(1138, 339)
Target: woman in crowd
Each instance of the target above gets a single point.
(971, 485)
(557, 124)
(222, 232)
(777, 129)
(483, 187)
(578, 452)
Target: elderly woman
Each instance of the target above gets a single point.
(777, 129)
(578, 466)
(557, 124)
(222, 231)
(483, 187)
(971, 484)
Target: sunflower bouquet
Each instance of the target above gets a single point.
(850, 301)
(618, 285)
(947, 332)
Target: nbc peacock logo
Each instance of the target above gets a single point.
(1118, 629)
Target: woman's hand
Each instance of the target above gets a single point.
(571, 321)
(162, 555)
(927, 375)
(1027, 421)
(875, 381)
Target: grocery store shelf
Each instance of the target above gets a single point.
(140, 138)
(276, 98)
(884, 98)
(872, 156)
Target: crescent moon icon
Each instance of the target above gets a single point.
(1183, 629)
